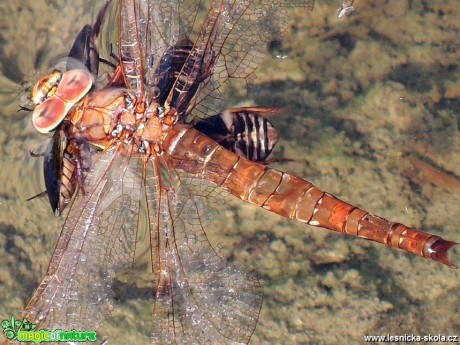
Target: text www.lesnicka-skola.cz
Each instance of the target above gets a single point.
(412, 338)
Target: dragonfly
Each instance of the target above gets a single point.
(147, 155)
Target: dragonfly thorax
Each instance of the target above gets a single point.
(156, 123)
(114, 114)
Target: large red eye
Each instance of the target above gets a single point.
(49, 114)
(74, 85)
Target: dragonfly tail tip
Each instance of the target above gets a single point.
(441, 250)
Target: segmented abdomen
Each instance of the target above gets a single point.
(244, 131)
(291, 196)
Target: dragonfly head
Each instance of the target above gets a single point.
(55, 94)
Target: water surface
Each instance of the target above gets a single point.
(371, 107)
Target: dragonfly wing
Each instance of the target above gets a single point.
(97, 241)
(144, 31)
(229, 40)
(233, 40)
(200, 298)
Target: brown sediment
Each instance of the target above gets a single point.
(372, 291)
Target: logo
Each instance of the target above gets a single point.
(24, 331)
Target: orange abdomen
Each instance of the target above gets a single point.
(291, 196)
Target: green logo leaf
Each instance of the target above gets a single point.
(12, 327)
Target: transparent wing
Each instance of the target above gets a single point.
(237, 44)
(140, 31)
(97, 241)
(221, 40)
(199, 299)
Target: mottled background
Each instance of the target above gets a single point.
(371, 115)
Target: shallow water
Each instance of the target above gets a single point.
(368, 99)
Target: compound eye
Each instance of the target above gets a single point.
(74, 85)
(49, 114)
